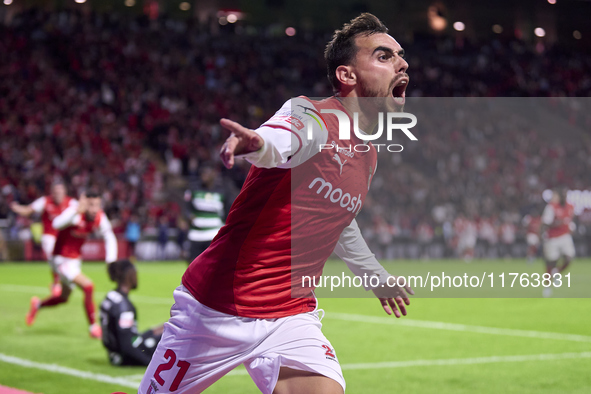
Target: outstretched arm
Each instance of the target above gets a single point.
(353, 250)
(21, 210)
(242, 141)
(27, 210)
(282, 141)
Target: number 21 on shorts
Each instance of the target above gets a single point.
(182, 365)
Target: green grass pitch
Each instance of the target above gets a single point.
(445, 345)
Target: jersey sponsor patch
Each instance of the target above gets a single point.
(126, 320)
(295, 122)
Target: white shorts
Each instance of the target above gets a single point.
(66, 268)
(532, 239)
(200, 345)
(554, 248)
(47, 244)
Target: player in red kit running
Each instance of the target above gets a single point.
(49, 207)
(236, 304)
(74, 225)
(557, 227)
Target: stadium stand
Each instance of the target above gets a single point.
(131, 107)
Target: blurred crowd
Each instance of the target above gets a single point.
(482, 163)
(125, 106)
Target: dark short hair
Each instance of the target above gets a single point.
(341, 50)
(118, 269)
(92, 194)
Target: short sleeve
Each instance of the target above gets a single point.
(39, 204)
(292, 136)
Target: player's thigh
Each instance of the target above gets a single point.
(567, 246)
(296, 344)
(293, 381)
(532, 239)
(67, 269)
(180, 364)
(198, 347)
(551, 250)
(172, 368)
(82, 281)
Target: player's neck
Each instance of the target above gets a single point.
(124, 289)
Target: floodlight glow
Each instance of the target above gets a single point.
(459, 26)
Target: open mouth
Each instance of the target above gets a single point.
(398, 92)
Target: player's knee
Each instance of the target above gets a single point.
(64, 296)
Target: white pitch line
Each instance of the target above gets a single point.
(459, 327)
(69, 371)
(39, 289)
(134, 377)
(372, 319)
(153, 300)
(452, 361)
(124, 381)
(468, 361)
(24, 288)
